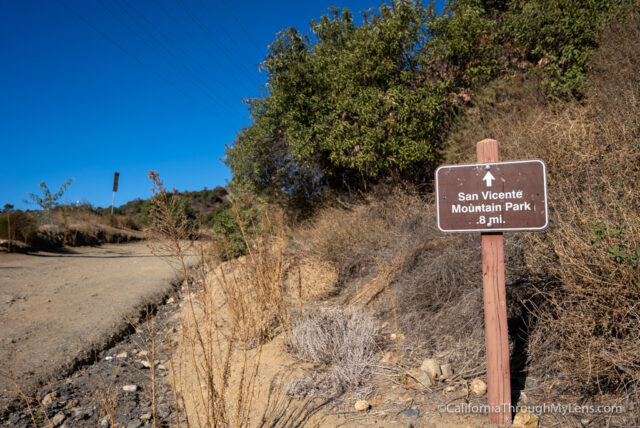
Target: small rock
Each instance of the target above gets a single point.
(418, 379)
(361, 405)
(411, 414)
(478, 387)
(384, 325)
(134, 424)
(108, 358)
(447, 371)
(58, 419)
(146, 416)
(72, 403)
(144, 364)
(105, 421)
(143, 353)
(389, 358)
(395, 337)
(49, 398)
(431, 367)
(162, 367)
(450, 388)
(80, 413)
(170, 300)
(130, 388)
(525, 419)
(122, 355)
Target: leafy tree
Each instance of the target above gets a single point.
(349, 104)
(345, 110)
(559, 35)
(466, 45)
(48, 200)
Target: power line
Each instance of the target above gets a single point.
(211, 37)
(135, 58)
(244, 30)
(233, 40)
(203, 85)
(160, 54)
(184, 52)
(169, 51)
(187, 32)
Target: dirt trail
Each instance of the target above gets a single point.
(55, 308)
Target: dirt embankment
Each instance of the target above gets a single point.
(52, 237)
(57, 307)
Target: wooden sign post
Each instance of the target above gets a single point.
(495, 312)
(492, 197)
(116, 176)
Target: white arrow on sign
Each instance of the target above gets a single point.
(488, 178)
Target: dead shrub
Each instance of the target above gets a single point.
(344, 342)
(217, 327)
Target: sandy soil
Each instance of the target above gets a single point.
(270, 406)
(57, 307)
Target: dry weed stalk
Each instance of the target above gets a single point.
(149, 344)
(237, 305)
(109, 402)
(27, 401)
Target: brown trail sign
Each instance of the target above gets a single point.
(116, 176)
(492, 197)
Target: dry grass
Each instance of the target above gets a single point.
(391, 258)
(235, 308)
(588, 319)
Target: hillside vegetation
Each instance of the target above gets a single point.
(354, 119)
(348, 105)
(328, 232)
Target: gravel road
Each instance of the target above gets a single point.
(56, 308)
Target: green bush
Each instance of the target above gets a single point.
(350, 103)
(559, 35)
(233, 223)
(344, 110)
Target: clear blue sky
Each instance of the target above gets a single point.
(89, 87)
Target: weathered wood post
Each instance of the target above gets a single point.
(493, 197)
(495, 312)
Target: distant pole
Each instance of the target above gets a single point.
(495, 312)
(116, 175)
